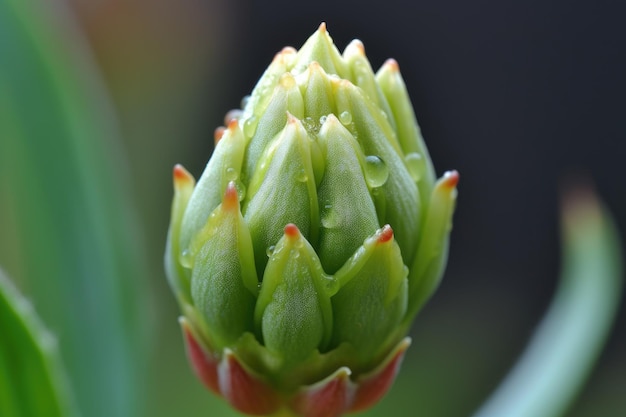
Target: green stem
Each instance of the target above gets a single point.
(564, 348)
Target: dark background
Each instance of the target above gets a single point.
(521, 97)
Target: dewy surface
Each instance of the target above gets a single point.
(313, 237)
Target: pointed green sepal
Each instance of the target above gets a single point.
(321, 49)
(261, 129)
(385, 170)
(293, 313)
(283, 191)
(409, 135)
(224, 283)
(317, 91)
(177, 275)
(223, 167)
(347, 212)
(362, 75)
(432, 253)
(262, 92)
(373, 296)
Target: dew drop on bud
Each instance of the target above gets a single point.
(241, 190)
(415, 164)
(329, 219)
(186, 259)
(376, 171)
(345, 118)
(231, 174)
(249, 126)
(323, 120)
(270, 250)
(311, 126)
(302, 177)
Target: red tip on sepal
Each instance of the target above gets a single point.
(392, 64)
(181, 176)
(450, 179)
(218, 134)
(292, 231)
(234, 114)
(233, 124)
(286, 51)
(373, 386)
(385, 234)
(244, 391)
(203, 363)
(231, 197)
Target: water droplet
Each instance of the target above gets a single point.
(345, 118)
(302, 176)
(376, 171)
(415, 164)
(241, 190)
(332, 285)
(231, 174)
(311, 126)
(270, 250)
(249, 126)
(329, 218)
(323, 120)
(186, 259)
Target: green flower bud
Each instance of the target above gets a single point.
(314, 236)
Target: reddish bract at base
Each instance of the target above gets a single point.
(331, 397)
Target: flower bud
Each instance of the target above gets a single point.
(313, 237)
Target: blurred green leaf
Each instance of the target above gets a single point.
(32, 383)
(68, 233)
(568, 341)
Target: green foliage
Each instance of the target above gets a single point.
(67, 232)
(32, 383)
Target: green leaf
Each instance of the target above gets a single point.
(69, 236)
(32, 382)
(569, 339)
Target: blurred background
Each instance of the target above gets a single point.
(521, 97)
